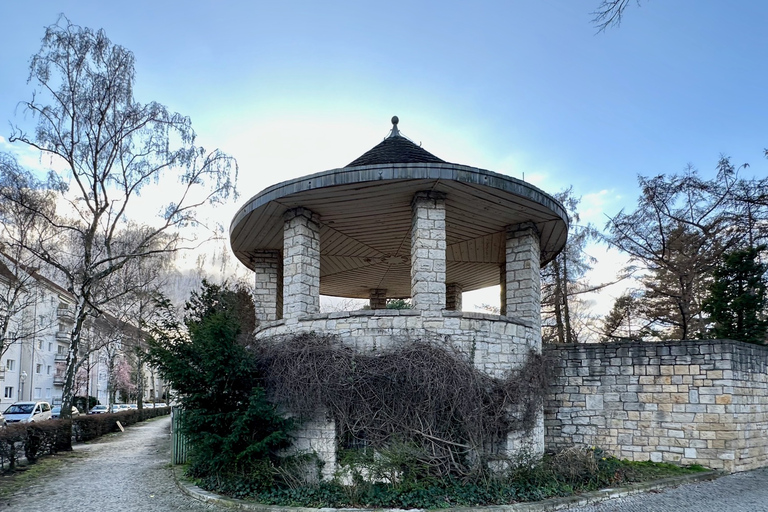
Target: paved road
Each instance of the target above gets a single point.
(125, 472)
(741, 492)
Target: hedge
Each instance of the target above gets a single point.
(34, 440)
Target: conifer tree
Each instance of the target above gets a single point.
(737, 298)
(231, 426)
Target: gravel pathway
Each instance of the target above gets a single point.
(124, 472)
(130, 471)
(740, 492)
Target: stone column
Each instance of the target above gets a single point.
(301, 264)
(503, 289)
(428, 253)
(453, 293)
(378, 298)
(523, 283)
(267, 289)
(316, 436)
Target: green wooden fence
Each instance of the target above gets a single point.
(179, 443)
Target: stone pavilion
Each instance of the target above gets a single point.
(399, 222)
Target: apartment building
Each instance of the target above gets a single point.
(33, 358)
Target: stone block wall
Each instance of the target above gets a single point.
(689, 402)
(317, 436)
(453, 297)
(378, 298)
(494, 343)
(521, 280)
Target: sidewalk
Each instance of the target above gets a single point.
(124, 472)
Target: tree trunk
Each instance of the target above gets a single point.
(569, 334)
(71, 362)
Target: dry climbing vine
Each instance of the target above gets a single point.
(421, 394)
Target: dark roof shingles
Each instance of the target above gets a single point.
(395, 150)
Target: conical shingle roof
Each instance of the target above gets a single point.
(395, 149)
(366, 217)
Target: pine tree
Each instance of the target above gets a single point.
(624, 321)
(737, 298)
(681, 227)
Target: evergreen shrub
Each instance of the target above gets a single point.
(234, 433)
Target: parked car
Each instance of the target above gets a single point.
(27, 412)
(98, 409)
(56, 412)
(2, 420)
(120, 407)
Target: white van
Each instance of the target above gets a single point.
(27, 412)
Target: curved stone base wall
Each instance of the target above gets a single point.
(495, 344)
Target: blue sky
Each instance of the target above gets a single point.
(522, 87)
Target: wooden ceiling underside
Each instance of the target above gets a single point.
(365, 235)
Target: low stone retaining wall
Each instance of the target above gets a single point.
(692, 402)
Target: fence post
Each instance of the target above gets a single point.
(179, 444)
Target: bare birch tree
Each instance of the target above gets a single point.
(112, 148)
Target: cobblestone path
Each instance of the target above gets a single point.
(126, 472)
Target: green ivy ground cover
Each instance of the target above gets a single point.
(544, 479)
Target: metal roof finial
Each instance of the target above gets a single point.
(395, 132)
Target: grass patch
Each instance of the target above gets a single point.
(644, 471)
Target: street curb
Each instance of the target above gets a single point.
(588, 498)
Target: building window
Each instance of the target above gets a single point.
(50, 347)
(38, 392)
(38, 368)
(10, 364)
(40, 344)
(48, 370)
(47, 392)
(61, 350)
(8, 391)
